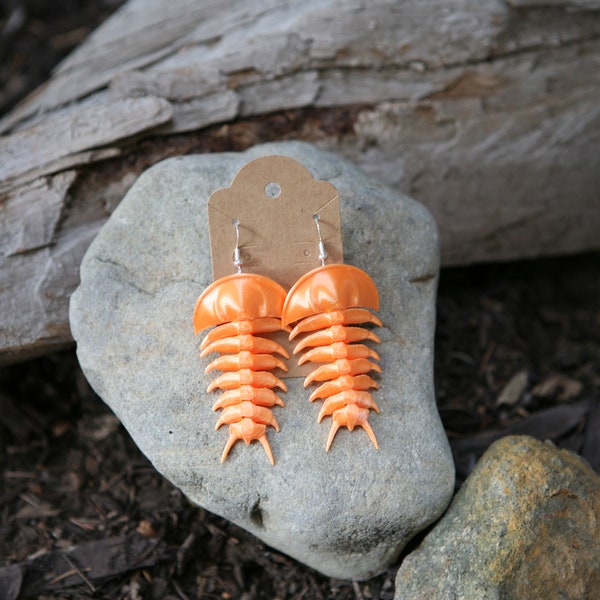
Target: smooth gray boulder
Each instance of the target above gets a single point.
(347, 513)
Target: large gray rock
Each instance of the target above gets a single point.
(525, 525)
(347, 513)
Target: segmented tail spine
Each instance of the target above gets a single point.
(243, 306)
(326, 304)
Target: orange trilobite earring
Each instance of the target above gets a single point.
(243, 305)
(325, 304)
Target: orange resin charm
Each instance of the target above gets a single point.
(241, 306)
(325, 303)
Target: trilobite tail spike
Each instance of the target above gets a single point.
(231, 440)
(332, 432)
(370, 433)
(351, 416)
(265, 444)
(248, 431)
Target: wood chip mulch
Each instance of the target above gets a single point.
(84, 514)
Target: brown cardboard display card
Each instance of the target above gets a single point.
(274, 199)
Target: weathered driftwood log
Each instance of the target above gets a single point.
(486, 111)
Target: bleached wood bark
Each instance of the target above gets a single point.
(487, 111)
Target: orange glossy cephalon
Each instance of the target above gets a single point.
(325, 303)
(241, 306)
(238, 297)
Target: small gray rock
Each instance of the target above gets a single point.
(524, 525)
(347, 513)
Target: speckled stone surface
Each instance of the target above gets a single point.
(347, 513)
(526, 524)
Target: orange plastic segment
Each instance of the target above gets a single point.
(338, 350)
(248, 431)
(259, 396)
(234, 379)
(242, 296)
(322, 304)
(329, 288)
(240, 306)
(247, 410)
(343, 366)
(266, 325)
(245, 341)
(333, 403)
(245, 360)
(336, 333)
(341, 384)
(350, 417)
(350, 316)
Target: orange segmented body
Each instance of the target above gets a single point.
(241, 306)
(326, 304)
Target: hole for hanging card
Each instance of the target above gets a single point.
(247, 254)
(273, 190)
(306, 253)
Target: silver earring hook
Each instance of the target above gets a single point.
(322, 252)
(237, 255)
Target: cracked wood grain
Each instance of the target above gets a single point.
(72, 132)
(29, 218)
(485, 111)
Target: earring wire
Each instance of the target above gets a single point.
(237, 255)
(322, 252)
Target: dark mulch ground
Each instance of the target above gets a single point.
(71, 475)
(36, 34)
(517, 351)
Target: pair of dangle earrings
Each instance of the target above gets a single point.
(324, 308)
